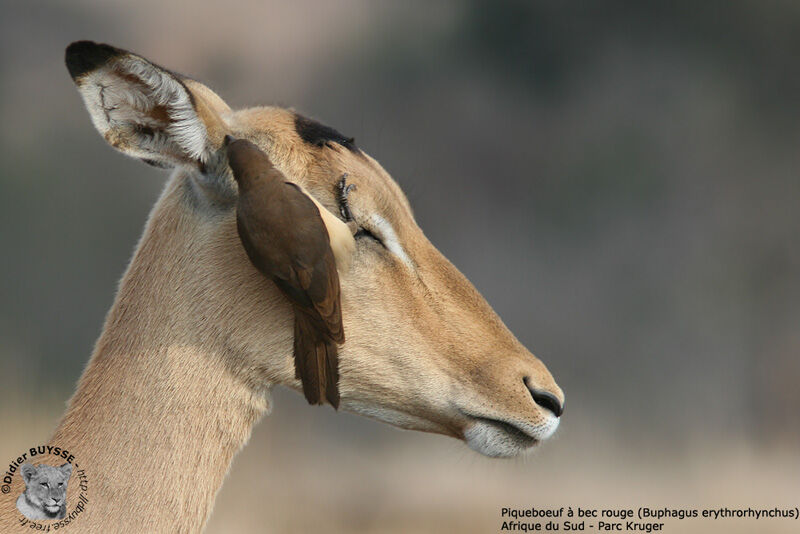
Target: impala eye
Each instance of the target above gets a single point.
(342, 191)
(363, 232)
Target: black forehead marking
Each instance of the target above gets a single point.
(317, 134)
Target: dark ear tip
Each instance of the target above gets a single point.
(228, 140)
(83, 57)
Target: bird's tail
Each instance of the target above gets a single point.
(316, 362)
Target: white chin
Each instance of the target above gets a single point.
(52, 509)
(502, 441)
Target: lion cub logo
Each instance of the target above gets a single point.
(45, 495)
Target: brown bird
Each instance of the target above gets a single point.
(284, 233)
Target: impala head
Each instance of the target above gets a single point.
(424, 350)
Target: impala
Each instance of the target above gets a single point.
(196, 337)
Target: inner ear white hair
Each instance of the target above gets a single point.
(143, 110)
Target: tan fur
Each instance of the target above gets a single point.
(196, 337)
(210, 107)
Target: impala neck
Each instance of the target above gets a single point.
(162, 407)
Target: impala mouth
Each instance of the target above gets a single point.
(509, 428)
(502, 439)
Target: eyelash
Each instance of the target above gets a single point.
(342, 190)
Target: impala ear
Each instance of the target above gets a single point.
(144, 110)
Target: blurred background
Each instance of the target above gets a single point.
(619, 180)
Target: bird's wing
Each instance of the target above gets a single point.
(314, 289)
(340, 235)
(285, 236)
(293, 249)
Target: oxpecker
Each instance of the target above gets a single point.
(285, 236)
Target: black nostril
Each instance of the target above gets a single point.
(546, 400)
